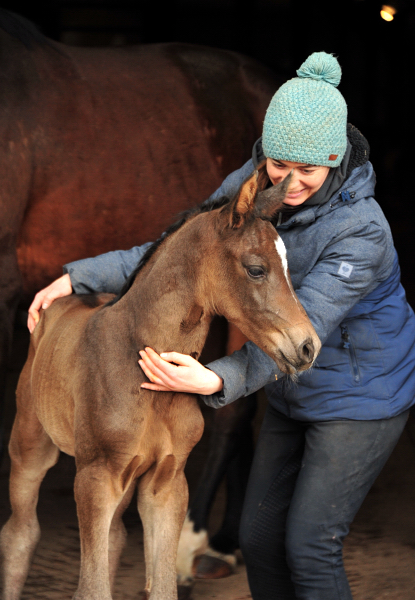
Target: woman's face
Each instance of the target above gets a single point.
(305, 182)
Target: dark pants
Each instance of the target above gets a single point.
(307, 482)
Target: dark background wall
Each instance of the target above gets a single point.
(376, 57)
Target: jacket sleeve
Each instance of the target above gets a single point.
(349, 268)
(106, 272)
(243, 373)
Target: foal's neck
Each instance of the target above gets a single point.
(167, 305)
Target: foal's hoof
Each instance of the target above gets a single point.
(184, 592)
(211, 567)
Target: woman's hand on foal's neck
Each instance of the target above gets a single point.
(185, 375)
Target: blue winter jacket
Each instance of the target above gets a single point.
(345, 271)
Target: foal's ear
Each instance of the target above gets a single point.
(245, 201)
(270, 200)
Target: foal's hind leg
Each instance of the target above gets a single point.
(32, 453)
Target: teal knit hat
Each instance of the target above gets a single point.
(307, 118)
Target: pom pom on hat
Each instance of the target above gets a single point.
(321, 66)
(306, 120)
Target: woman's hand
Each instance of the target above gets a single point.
(57, 289)
(186, 375)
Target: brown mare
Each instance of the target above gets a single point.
(79, 391)
(101, 147)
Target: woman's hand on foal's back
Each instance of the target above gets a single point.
(185, 375)
(57, 289)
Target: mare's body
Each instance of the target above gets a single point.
(85, 135)
(100, 147)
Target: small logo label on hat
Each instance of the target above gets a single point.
(333, 156)
(345, 269)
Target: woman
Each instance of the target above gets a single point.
(325, 439)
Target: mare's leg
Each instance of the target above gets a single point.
(226, 540)
(230, 452)
(32, 453)
(162, 503)
(10, 291)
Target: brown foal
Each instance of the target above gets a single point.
(79, 391)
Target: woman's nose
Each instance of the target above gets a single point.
(294, 179)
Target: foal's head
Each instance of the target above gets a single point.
(251, 281)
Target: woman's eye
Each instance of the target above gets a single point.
(256, 272)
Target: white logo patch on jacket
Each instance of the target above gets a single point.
(345, 269)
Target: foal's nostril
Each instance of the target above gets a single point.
(307, 351)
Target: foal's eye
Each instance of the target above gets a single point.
(255, 272)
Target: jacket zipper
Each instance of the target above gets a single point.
(347, 344)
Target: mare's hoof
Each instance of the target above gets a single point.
(184, 592)
(211, 567)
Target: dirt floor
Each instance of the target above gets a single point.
(379, 552)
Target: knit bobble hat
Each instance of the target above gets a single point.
(307, 118)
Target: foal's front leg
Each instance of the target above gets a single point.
(118, 534)
(97, 496)
(162, 504)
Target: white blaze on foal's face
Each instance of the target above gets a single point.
(282, 253)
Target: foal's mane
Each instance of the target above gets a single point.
(185, 216)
